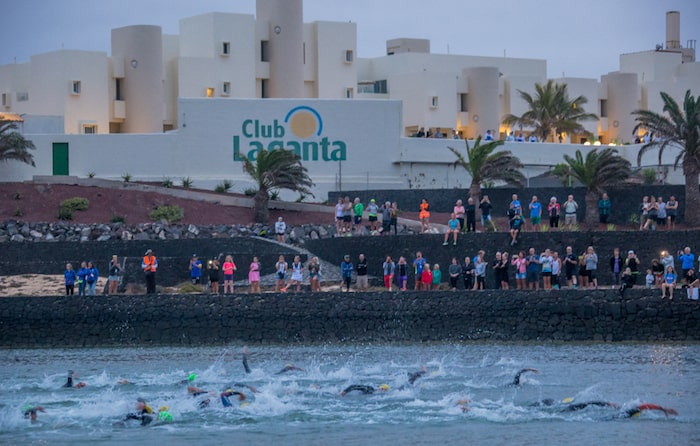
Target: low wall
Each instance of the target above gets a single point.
(559, 315)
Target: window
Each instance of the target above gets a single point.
(210, 92)
(225, 48)
(365, 87)
(77, 87)
(380, 87)
(264, 51)
(118, 90)
(89, 129)
(263, 88)
(434, 102)
(349, 56)
(6, 100)
(349, 93)
(603, 108)
(463, 101)
(226, 89)
(22, 97)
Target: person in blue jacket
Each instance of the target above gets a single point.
(346, 268)
(687, 259)
(82, 279)
(69, 279)
(91, 279)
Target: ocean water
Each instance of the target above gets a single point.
(305, 407)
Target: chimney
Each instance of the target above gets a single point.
(673, 30)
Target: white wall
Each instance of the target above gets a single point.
(333, 74)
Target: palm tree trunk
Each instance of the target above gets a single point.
(475, 191)
(591, 216)
(692, 193)
(261, 211)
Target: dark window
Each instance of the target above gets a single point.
(463, 97)
(603, 108)
(380, 86)
(264, 51)
(118, 90)
(263, 88)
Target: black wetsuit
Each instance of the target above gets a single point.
(581, 406)
(69, 382)
(143, 416)
(289, 368)
(413, 377)
(516, 379)
(365, 390)
(245, 363)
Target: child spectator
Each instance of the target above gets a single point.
(426, 278)
(280, 273)
(669, 283)
(437, 277)
(213, 266)
(229, 268)
(650, 279)
(254, 276)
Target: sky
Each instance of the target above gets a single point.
(577, 38)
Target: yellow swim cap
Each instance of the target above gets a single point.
(163, 408)
(384, 387)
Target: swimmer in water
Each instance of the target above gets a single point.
(143, 412)
(226, 394)
(637, 410)
(69, 381)
(164, 415)
(365, 390)
(516, 380)
(413, 377)
(245, 359)
(30, 411)
(463, 404)
(192, 389)
(289, 368)
(581, 406)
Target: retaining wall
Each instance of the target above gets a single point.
(560, 315)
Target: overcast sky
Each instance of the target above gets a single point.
(581, 38)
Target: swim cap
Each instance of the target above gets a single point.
(372, 200)
(384, 387)
(192, 377)
(163, 408)
(140, 400)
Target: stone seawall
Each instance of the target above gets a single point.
(192, 320)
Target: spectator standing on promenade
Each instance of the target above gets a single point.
(667, 260)
(437, 277)
(339, 213)
(254, 276)
(471, 215)
(556, 269)
(535, 213)
(418, 265)
(213, 266)
(604, 207)
(113, 275)
(468, 273)
(459, 214)
(389, 269)
(347, 217)
(395, 217)
(644, 212)
(671, 212)
(616, 267)
(520, 265)
(362, 282)
(69, 278)
(386, 218)
(424, 216)
(687, 258)
(314, 267)
(480, 271)
(570, 207)
(228, 268)
(554, 209)
(92, 276)
(82, 278)
(280, 273)
(591, 260)
(661, 213)
(652, 214)
(358, 209)
(632, 262)
(496, 267)
(297, 275)
(195, 268)
(280, 229)
(503, 270)
(372, 211)
(454, 271)
(346, 268)
(516, 206)
(546, 261)
(485, 206)
(149, 265)
(402, 273)
(570, 263)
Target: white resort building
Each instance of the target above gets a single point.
(229, 84)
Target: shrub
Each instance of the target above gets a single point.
(274, 195)
(18, 212)
(167, 182)
(91, 174)
(611, 227)
(187, 182)
(169, 213)
(189, 288)
(250, 192)
(224, 186)
(76, 204)
(118, 219)
(17, 196)
(126, 177)
(65, 213)
(301, 197)
(649, 176)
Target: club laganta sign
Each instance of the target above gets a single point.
(300, 131)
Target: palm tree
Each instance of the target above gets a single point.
(681, 130)
(551, 110)
(597, 171)
(13, 145)
(273, 170)
(484, 165)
